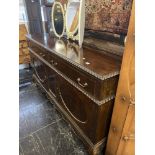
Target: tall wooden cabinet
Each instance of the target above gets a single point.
(121, 138)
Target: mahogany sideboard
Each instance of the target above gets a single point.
(81, 82)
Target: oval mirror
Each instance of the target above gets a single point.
(58, 23)
(75, 20)
(72, 16)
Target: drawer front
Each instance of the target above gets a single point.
(83, 80)
(38, 49)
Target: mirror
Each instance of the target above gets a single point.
(58, 19)
(72, 17)
(75, 20)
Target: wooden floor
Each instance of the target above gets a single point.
(42, 130)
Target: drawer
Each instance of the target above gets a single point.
(39, 50)
(83, 80)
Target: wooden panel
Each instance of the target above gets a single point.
(39, 70)
(124, 98)
(127, 146)
(52, 81)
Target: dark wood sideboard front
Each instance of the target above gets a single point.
(81, 83)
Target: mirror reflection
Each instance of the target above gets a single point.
(60, 47)
(73, 52)
(72, 16)
(69, 49)
(58, 19)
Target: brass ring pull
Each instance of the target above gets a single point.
(82, 85)
(54, 63)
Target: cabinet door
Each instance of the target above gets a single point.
(93, 119)
(81, 109)
(52, 79)
(40, 71)
(72, 101)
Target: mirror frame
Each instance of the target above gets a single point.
(52, 15)
(81, 23)
(70, 34)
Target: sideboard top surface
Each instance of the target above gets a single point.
(97, 63)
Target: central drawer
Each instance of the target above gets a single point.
(83, 80)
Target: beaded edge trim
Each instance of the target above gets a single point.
(72, 83)
(104, 77)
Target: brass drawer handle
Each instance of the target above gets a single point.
(54, 63)
(82, 85)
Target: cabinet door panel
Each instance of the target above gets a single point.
(52, 81)
(80, 108)
(39, 70)
(72, 101)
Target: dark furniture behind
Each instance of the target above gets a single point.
(34, 16)
(82, 84)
